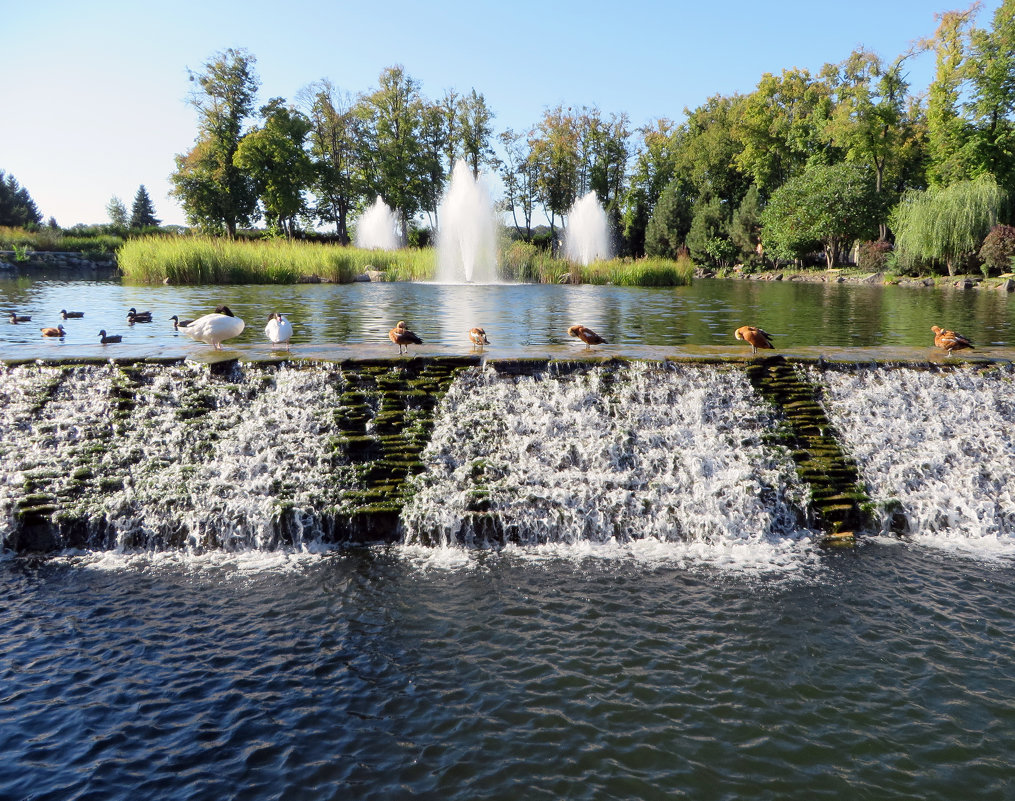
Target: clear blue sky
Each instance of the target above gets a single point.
(93, 95)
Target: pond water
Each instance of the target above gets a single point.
(519, 319)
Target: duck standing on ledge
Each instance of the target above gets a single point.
(278, 330)
(403, 337)
(478, 337)
(53, 332)
(755, 337)
(67, 315)
(215, 328)
(949, 340)
(105, 340)
(586, 335)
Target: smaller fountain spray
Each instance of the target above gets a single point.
(467, 242)
(587, 237)
(377, 228)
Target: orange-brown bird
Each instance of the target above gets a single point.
(586, 335)
(403, 337)
(949, 340)
(53, 332)
(754, 336)
(478, 337)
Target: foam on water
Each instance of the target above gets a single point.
(610, 456)
(937, 445)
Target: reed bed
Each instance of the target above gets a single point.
(208, 260)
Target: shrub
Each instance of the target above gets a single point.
(874, 256)
(998, 249)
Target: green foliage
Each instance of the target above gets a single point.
(117, 213)
(87, 240)
(655, 165)
(745, 227)
(215, 193)
(671, 220)
(142, 212)
(946, 224)
(708, 226)
(998, 250)
(826, 206)
(16, 206)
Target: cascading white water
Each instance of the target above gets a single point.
(669, 453)
(209, 462)
(467, 240)
(941, 445)
(587, 236)
(377, 228)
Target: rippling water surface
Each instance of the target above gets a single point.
(887, 671)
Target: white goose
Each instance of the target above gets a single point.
(215, 328)
(278, 330)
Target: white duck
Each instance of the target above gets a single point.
(215, 328)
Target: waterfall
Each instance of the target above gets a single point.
(664, 452)
(936, 449)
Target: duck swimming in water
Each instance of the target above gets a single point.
(178, 323)
(53, 332)
(755, 337)
(278, 330)
(20, 318)
(68, 315)
(215, 328)
(105, 340)
(403, 337)
(949, 340)
(134, 316)
(478, 337)
(586, 335)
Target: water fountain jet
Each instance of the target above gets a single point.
(587, 237)
(377, 228)
(467, 241)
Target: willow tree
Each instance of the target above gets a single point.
(946, 224)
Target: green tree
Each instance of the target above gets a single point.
(215, 193)
(991, 71)
(475, 127)
(117, 213)
(654, 168)
(391, 148)
(610, 152)
(825, 206)
(334, 135)
(142, 211)
(946, 224)
(947, 130)
(555, 152)
(17, 209)
(709, 229)
(519, 174)
(708, 149)
(274, 157)
(745, 227)
(671, 220)
(779, 127)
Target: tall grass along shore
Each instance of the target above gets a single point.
(207, 260)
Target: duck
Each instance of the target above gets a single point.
(403, 337)
(586, 335)
(68, 315)
(178, 323)
(134, 316)
(950, 340)
(755, 337)
(278, 330)
(53, 332)
(105, 340)
(20, 318)
(216, 327)
(478, 337)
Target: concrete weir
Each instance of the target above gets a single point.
(168, 453)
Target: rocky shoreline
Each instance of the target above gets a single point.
(1003, 283)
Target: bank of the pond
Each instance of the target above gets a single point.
(848, 275)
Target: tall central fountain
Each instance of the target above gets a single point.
(467, 241)
(587, 236)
